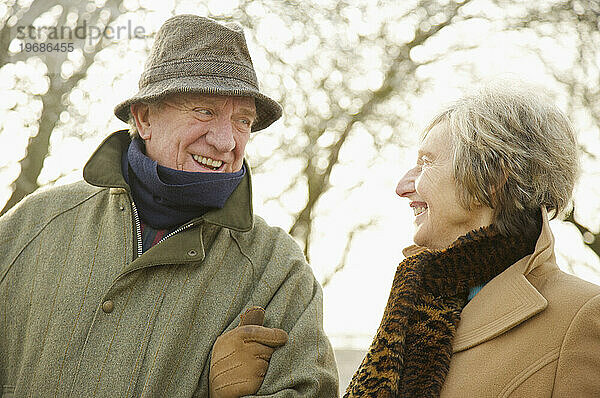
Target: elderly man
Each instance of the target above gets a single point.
(127, 283)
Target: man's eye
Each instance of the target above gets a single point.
(203, 111)
(245, 123)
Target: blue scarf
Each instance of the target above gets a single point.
(167, 198)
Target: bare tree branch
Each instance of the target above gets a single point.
(340, 266)
(38, 145)
(591, 239)
(286, 189)
(402, 65)
(25, 16)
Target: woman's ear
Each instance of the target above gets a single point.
(498, 184)
(140, 113)
(502, 179)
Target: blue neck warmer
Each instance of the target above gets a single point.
(167, 198)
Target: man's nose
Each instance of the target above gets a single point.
(406, 185)
(220, 136)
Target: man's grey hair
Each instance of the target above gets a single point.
(133, 131)
(513, 151)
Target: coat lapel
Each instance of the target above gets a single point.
(507, 300)
(502, 304)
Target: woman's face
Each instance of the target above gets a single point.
(431, 188)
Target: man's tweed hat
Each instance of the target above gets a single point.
(193, 54)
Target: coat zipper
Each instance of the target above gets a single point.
(182, 228)
(138, 229)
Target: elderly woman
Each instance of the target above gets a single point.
(479, 307)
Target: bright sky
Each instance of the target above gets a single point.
(354, 300)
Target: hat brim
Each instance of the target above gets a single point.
(267, 110)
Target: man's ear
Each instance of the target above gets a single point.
(141, 113)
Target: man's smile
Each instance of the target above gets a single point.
(207, 162)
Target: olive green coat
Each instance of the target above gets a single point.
(82, 315)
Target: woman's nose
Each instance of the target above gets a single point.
(406, 185)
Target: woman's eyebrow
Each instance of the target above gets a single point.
(422, 153)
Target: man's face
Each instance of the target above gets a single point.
(198, 133)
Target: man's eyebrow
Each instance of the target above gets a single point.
(248, 111)
(202, 102)
(214, 102)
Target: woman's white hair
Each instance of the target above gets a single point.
(513, 151)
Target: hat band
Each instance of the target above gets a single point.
(220, 69)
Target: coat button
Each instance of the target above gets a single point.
(108, 306)
(192, 253)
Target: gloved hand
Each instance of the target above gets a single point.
(240, 357)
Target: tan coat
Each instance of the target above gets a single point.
(533, 331)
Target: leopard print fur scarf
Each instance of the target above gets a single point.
(410, 354)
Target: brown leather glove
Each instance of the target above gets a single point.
(240, 357)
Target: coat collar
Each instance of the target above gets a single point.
(507, 300)
(103, 169)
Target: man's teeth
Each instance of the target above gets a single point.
(419, 209)
(208, 161)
